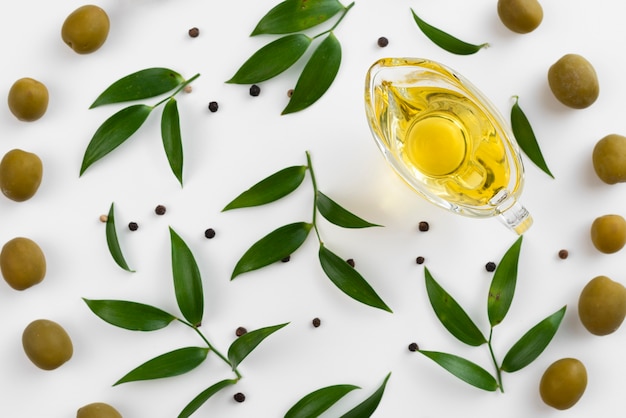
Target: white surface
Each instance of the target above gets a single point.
(246, 140)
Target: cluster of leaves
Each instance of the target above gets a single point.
(285, 240)
(122, 125)
(461, 326)
(290, 18)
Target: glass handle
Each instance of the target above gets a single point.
(516, 217)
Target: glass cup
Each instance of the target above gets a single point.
(445, 139)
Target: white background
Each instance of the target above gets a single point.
(246, 140)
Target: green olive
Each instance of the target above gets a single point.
(608, 233)
(20, 174)
(602, 305)
(22, 263)
(521, 16)
(98, 410)
(563, 383)
(47, 344)
(28, 99)
(609, 159)
(573, 81)
(86, 29)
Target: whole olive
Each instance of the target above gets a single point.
(47, 344)
(574, 81)
(609, 159)
(608, 233)
(563, 383)
(521, 16)
(98, 410)
(602, 305)
(22, 263)
(20, 174)
(28, 99)
(86, 29)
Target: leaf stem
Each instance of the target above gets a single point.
(345, 11)
(495, 362)
(182, 86)
(314, 183)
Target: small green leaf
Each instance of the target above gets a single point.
(113, 132)
(242, 346)
(525, 137)
(532, 344)
(204, 396)
(273, 247)
(172, 141)
(317, 76)
(112, 241)
(296, 15)
(445, 40)
(503, 284)
(464, 369)
(451, 314)
(143, 84)
(348, 280)
(270, 189)
(272, 59)
(173, 363)
(187, 280)
(316, 402)
(130, 315)
(337, 215)
(366, 408)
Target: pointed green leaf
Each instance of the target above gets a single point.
(366, 408)
(172, 141)
(170, 364)
(113, 132)
(143, 84)
(273, 247)
(523, 132)
(130, 315)
(112, 241)
(242, 346)
(445, 40)
(270, 189)
(296, 15)
(337, 215)
(464, 369)
(204, 396)
(532, 344)
(503, 284)
(348, 280)
(316, 402)
(317, 76)
(272, 59)
(451, 314)
(187, 280)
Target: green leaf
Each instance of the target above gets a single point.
(451, 314)
(366, 408)
(273, 247)
(172, 141)
(445, 40)
(317, 76)
(170, 364)
(525, 137)
(112, 241)
(348, 280)
(113, 132)
(270, 189)
(316, 402)
(296, 15)
(272, 59)
(337, 215)
(130, 315)
(532, 344)
(464, 369)
(204, 396)
(143, 84)
(242, 346)
(503, 284)
(187, 280)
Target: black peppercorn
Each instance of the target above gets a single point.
(213, 106)
(239, 397)
(420, 260)
(209, 233)
(350, 262)
(424, 226)
(133, 226)
(490, 266)
(194, 32)
(563, 254)
(413, 347)
(159, 210)
(240, 331)
(285, 259)
(316, 322)
(255, 90)
(383, 42)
